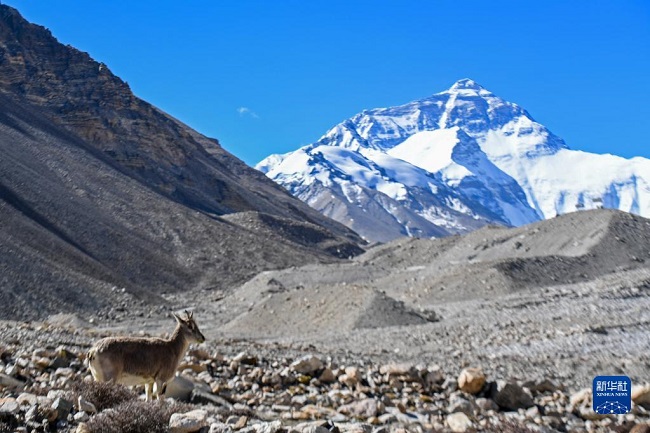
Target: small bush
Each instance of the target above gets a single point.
(508, 426)
(136, 416)
(103, 395)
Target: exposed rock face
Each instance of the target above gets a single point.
(106, 201)
(137, 138)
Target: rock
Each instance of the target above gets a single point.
(459, 422)
(179, 388)
(188, 422)
(387, 418)
(81, 416)
(245, 358)
(86, 406)
(641, 395)
(510, 396)
(471, 380)
(199, 396)
(311, 427)
(220, 427)
(364, 409)
(398, 370)
(486, 404)
(9, 382)
(543, 386)
(459, 404)
(241, 423)
(581, 398)
(327, 376)
(63, 407)
(356, 428)
(83, 428)
(351, 377)
(199, 353)
(9, 406)
(27, 399)
(308, 365)
(268, 427)
(450, 384)
(434, 376)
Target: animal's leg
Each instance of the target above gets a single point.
(148, 390)
(161, 387)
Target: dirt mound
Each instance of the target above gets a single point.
(336, 308)
(487, 263)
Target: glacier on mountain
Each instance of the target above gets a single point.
(451, 163)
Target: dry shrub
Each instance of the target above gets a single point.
(506, 425)
(103, 395)
(136, 416)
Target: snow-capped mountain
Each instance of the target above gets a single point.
(450, 163)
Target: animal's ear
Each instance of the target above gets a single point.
(178, 319)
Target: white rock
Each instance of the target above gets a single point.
(85, 406)
(459, 422)
(220, 427)
(365, 408)
(81, 416)
(308, 364)
(188, 422)
(268, 427)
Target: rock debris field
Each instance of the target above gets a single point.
(499, 330)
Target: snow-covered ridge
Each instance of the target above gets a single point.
(450, 163)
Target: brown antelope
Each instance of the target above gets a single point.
(144, 361)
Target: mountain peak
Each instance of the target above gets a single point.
(467, 84)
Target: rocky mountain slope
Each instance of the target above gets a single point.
(103, 196)
(450, 163)
(382, 342)
(562, 299)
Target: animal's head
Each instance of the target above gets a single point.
(189, 327)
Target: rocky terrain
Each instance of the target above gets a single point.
(235, 386)
(101, 193)
(498, 330)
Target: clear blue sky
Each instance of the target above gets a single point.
(580, 67)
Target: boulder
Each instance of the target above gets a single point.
(179, 388)
(308, 365)
(459, 422)
(188, 422)
(510, 396)
(471, 380)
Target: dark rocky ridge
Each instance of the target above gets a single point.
(132, 135)
(106, 202)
